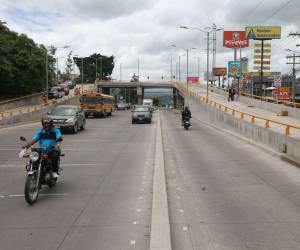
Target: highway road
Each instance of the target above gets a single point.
(222, 192)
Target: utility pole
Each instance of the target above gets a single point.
(207, 66)
(214, 48)
(293, 73)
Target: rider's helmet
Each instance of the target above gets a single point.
(47, 122)
(186, 108)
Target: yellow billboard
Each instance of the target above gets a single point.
(263, 32)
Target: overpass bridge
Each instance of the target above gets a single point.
(139, 87)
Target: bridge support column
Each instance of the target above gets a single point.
(140, 95)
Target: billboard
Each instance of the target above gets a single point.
(220, 71)
(234, 69)
(263, 32)
(281, 93)
(193, 79)
(235, 39)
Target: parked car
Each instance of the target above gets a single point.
(68, 117)
(65, 88)
(122, 106)
(141, 113)
(56, 92)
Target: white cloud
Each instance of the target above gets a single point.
(145, 29)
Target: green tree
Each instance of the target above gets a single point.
(105, 66)
(69, 65)
(22, 64)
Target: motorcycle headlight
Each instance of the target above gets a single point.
(34, 156)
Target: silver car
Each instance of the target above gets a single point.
(68, 117)
(141, 113)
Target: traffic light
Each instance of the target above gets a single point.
(162, 77)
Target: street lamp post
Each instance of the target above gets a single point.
(187, 69)
(207, 34)
(46, 64)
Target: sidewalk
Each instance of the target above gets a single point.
(295, 133)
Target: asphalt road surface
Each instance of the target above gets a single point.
(222, 193)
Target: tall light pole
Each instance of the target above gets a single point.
(120, 72)
(46, 64)
(187, 69)
(138, 65)
(207, 34)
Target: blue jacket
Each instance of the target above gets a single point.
(45, 138)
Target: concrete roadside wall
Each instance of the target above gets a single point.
(35, 115)
(267, 137)
(26, 101)
(272, 107)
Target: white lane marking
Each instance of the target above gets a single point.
(142, 190)
(132, 242)
(16, 195)
(139, 210)
(135, 222)
(2, 196)
(141, 197)
(181, 210)
(41, 194)
(78, 164)
(62, 165)
(185, 228)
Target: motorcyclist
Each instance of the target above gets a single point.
(186, 113)
(48, 138)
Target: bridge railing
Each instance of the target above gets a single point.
(27, 109)
(241, 114)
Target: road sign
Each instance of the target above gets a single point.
(234, 69)
(277, 81)
(263, 32)
(220, 71)
(193, 79)
(235, 39)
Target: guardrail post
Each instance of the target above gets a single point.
(242, 116)
(253, 119)
(287, 130)
(233, 112)
(220, 106)
(225, 109)
(215, 104)
(267, 124)
(10, 113)
(210, 102)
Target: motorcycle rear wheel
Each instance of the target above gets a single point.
(31, 189)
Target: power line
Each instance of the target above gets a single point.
(252, 10)
(277, 10)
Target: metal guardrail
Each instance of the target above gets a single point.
(267, 99)
(24, 110)
(242, 114)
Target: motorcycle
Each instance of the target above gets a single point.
(186, 122)
(39, 171)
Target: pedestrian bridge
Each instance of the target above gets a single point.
(178, 95)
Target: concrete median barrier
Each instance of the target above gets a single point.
(35, 115)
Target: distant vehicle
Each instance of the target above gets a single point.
(56, 92)
(148, 102)
(141, 113)
(68, 117)
(122, 106)
(70, 84)
(97, 104)
(65, 88)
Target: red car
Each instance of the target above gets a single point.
(66, 88)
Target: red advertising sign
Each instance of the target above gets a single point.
(281, 93)
(235, 39)
(193, 79)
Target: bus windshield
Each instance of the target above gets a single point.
(91, 100)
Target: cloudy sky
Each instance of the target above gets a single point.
(144, 30)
